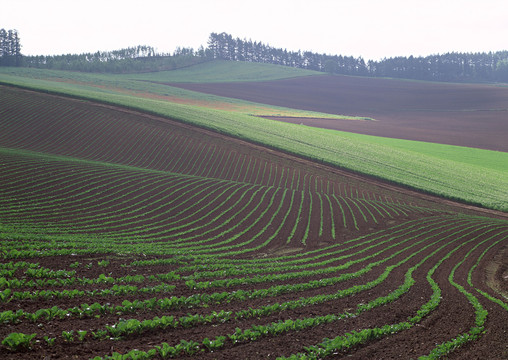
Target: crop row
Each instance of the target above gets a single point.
(93, 134)
(190, 210)
(341, 342)
(375, 242)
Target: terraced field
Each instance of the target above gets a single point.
(131, 236)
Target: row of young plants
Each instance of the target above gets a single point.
(74, 280)
(195, 319)
(209, 267)
(460, 220)
(134, 326)
(386, 247)
(72, 244)
(140, 229)
(116, 290)
(206, 265)
(478, 329)
(191, 283)
(494, 299)
(93, 130)
(347, 341)
(206, 299)
(137, 326)
(355, 338)
(92, 197)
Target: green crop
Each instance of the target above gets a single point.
(18, 341)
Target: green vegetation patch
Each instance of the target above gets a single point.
(224, 71)
(495, 160)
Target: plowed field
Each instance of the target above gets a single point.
(130, 236)
(456, 114)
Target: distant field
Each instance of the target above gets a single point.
(86, 84)
(470, 115)
(224, 71)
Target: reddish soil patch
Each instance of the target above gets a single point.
(469, 115)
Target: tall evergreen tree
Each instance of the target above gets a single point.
(10, 48)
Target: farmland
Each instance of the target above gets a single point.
(473, 183)
(126, 234)
(471, 115)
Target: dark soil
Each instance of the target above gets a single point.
(471, 115)
(39, 185)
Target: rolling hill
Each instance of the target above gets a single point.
(136, 226)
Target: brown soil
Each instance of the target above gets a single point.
(457, 114)
(78, 196)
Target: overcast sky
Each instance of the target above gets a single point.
(373, 29)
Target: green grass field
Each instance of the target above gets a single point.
(473, 176)
(495, 160)
(224, 71)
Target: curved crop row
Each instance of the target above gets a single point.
(124, 236)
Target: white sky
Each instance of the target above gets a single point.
(370, 28)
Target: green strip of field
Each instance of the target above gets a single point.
(482, 182)
(224, 71)
(495, 160)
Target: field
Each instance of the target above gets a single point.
(443, 175)
(132, 235)
(468, 115)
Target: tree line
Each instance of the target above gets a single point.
(10, 48)
(224, 46)
(476, 67)
(457, 67)
(140, 58)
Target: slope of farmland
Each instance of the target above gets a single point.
(470, 182)
(469, 115)
(223, 70)
(125, 235)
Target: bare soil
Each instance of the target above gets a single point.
(472, 115)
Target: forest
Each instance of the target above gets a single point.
(450, 67)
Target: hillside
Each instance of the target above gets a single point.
(224, 71)
(456, 114)
(393, 162)
(128, 235)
